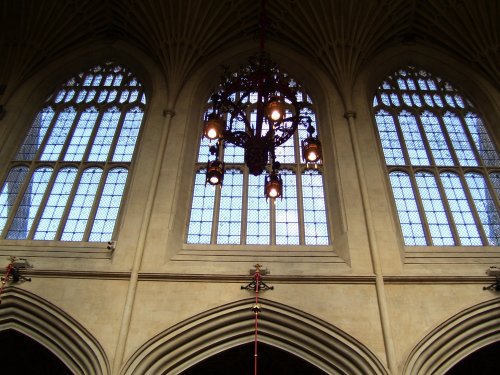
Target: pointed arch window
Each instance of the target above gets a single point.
(239, 214)
(442, 163)
(67, 179)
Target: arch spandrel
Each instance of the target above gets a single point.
(455, 338)
(230, 325)
(45, 323)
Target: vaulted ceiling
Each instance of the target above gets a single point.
(340, 34)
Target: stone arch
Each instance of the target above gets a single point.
(57, 331)
(230, 325)
(456, 338)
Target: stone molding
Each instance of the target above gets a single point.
(45, 323)
(227, 326)
(456, 338)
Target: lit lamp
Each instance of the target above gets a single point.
(214, 127)
(258, 108)
(273, 187)
(311, 150)
(215, 172)
(275, 109)
(311, 147)
(215, 168)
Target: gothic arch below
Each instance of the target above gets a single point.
(45, 323)
(231, 325)
(455, 339)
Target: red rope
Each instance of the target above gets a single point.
(257, 287)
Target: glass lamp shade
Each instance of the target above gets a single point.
(273, 187)
(214, 128)
(311, 150)
(275, 109)
(215, 172)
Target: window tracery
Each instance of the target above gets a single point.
(66, 181)
(443, 165)
(239, 214)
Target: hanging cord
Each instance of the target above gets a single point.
(256, 310)
(257, 284)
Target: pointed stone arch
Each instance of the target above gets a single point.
(45, 323)
(227, 326)
(456, 338)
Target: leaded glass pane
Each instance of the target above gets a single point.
(485, 206)
(482, 140)
(287, 215)
(231, 202)
(56, 203)
(202, 210)
(461, 144)
(36, 134)
(436, 139)
(435, 212)
(10, 190)
(102, 143)
(313, 199)
(81, 206)
(495, 181)
(204, 150)
(461, 211)
(236, 154)
(389, 137)
(58, 135)
(128, 135)
(413, 139)
(109, 205)
(29, 205)
(81, 135)
(408, 212)
(258, 218)
(286, 152)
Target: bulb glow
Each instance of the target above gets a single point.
(273, 193)
(212, 133)
(275, 115)
(312, 156)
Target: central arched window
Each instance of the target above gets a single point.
(444, 168)
(67, 179)
(239, 214)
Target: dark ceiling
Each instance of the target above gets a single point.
(341, 35)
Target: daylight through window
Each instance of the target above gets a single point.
(67, 179)
(239, 214)
(443, 165)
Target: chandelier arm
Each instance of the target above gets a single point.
(286, 132)
(238, 138)
(278, 140)
(236, 109)
(239, 114)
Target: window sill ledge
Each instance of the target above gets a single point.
(55, 249)
(452, 254)
(281, 253)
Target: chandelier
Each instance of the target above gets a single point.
(257, 108)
